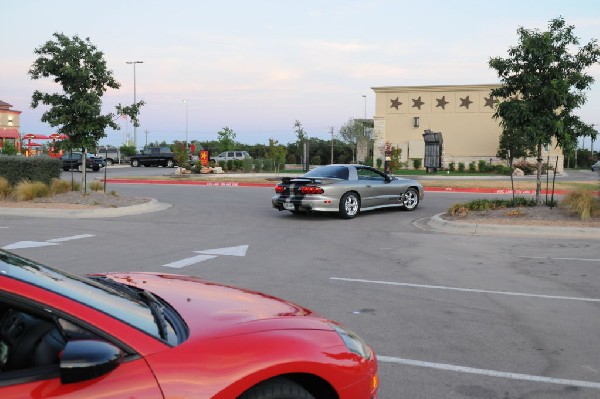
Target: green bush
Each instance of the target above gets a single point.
(247, 164)
(461, 167)
(472, 167)
(417, 163)
(230, 166)
(268, 165)
(39, 168)
(489, 205)
(483, 166)
(258, 165)
(379, 163)
(223, 165)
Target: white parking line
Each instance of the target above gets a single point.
(441, 287)
(489, 373)
(550, 258)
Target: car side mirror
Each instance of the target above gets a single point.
(87, 359)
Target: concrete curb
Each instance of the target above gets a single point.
(436, 222)
(151, 206)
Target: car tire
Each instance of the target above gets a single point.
(66, 169)
(135, 163)
(80, 167)
(278, 388)
(110, 162)
(410, 199)
(349, 205)
(170, 163)
(95, 168)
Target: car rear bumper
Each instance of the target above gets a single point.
(313, 203)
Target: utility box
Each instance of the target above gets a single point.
(433, 150)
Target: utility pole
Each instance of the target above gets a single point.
(134, 98)
(332, 145)
(146, 131)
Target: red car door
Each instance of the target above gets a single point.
(132, 379)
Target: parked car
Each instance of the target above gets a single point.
(230, 155)
(595, 166)
(73, 160)
(111, 155)
(346, 189)
(157, 335)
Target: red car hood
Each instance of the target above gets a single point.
(210, 308)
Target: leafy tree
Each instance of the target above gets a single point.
(80, 70)
(301, 135)
(276, 152)
(226, 139)
(9, 148)
(357, 133)
(543, 83)
(514, 144)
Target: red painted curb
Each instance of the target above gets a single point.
(271, 185)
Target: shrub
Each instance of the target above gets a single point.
(258, 165)
(4, 187)
(237, 164)
(461, 167)
(316, 160)
(230, 165)
(452, 167)
(527, 167)
(482, 166)
(26, 190)
(96, 185)
(268, 165)
(247, 165)
(379, 163)
(583, 203)
(417, 163)
(58, 186)
(40, 168)
(223, 165)
(488, 204)
(472, 167)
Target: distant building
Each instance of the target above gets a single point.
(10, 125)
(462, 114)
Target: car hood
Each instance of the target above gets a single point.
(211, 309)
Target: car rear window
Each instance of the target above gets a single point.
(330, 172)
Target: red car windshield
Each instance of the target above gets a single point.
(86, 291)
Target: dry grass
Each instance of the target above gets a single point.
(58, 186)
(96, 185)
(26, 190)
(4, 187)
(582, 203)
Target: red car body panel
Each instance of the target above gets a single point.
(237, 339)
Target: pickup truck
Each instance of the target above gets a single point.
(153, 156)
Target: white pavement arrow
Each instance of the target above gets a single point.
(231, 251)
(208, 254)
(37, 244)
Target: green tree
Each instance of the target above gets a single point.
(80, 71)
(276, 152)
(226, 139)
(357, 133)
(543, 83)
(9, 148)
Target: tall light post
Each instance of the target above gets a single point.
(365, 97)
(186, 123)
(134, 98)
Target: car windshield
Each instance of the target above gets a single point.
(330, 171)
(134, 312)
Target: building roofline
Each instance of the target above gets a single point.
(436, 88)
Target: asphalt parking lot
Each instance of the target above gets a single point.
(450, 315)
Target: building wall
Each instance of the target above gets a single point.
(463, 114)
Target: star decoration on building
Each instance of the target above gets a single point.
(489, 102)
(441, 102)
(395, 103)
(465, 102)
(417, 103)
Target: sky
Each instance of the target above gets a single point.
(258, 66)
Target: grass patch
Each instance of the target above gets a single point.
(26, 190)
(4, 187)
(583, 203)
(479, 205)
(58, 186)
(96, 185)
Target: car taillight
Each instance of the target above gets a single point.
(279, 189)
(311, 190)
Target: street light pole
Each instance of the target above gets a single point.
(134, 98)
(186, 123)
(365, 97)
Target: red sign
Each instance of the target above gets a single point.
(204, 158)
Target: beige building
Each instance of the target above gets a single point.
(462, 114)
(9, 125)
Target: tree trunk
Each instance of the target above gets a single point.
(83, 171)
(538, 185)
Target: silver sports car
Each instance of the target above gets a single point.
(347, 189)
